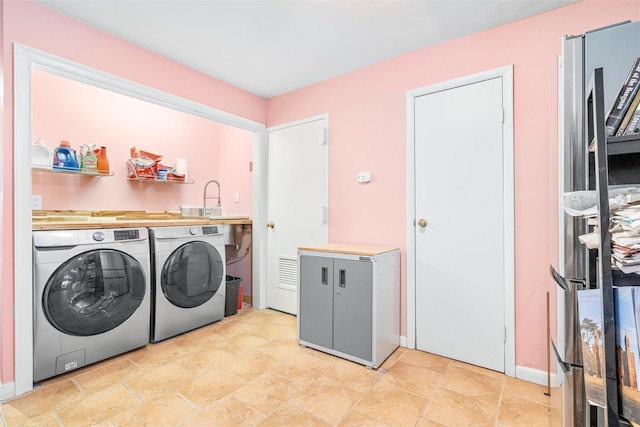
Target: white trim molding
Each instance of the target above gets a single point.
(7, 391)
(403, 341)
(506, 74)
(25, 59)
(537, 376)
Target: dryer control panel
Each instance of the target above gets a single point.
(210, 230)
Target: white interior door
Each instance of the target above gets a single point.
(460, 283)
(296, 204)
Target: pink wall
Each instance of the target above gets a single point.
(235, 156)
(367, 127)
(367, 132)
(233, 165)
(80, 113)
(27, 23)
(6, 328)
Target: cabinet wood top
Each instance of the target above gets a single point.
(349, 249)
(60, 220)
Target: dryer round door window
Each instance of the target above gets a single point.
(94, 292)
(192, 274)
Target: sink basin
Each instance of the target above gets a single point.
(190, 210)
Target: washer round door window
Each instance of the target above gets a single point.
(192, 274)
(94, 292)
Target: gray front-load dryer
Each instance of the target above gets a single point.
(188, 283)
(91, 296)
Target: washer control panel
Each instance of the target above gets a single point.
(129, 234)
(69, 238)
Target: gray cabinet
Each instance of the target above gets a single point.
(348, 301)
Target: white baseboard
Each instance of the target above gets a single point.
(7, 391)
(403, 341)
(536, 376)
(523, 373)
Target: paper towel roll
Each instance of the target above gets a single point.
(181, 167)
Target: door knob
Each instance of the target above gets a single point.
(422, 222)
(271, 224)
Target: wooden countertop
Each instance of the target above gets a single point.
(348, 249)
(61, 220)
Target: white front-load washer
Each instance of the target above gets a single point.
(188, 283)
(91, 296)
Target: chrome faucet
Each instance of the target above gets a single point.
(204, 197)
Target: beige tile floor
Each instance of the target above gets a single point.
(248, 370)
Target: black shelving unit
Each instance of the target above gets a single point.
(615, 159)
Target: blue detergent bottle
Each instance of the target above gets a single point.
(64, 157)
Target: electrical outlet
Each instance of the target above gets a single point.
(36, 202)
(236, 198)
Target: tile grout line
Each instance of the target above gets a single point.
(380, 375)
(141, 402)
(198, 408)
(497, 416)
(56, 416)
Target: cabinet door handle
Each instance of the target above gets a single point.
(343, 278)
(324, 276)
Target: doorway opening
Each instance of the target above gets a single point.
(26, 59)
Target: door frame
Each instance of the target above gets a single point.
(27, 58)
(506, 74)
(264, 187)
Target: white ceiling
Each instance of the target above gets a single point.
(270, 47)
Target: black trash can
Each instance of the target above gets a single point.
(232, 295)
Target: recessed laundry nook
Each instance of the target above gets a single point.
(110, 282)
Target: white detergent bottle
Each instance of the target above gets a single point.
(41, 155)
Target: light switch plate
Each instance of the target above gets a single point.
(236, 198)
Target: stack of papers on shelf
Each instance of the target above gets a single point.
(591, 240)
(624, 262)
(624, 224)
(625, 239)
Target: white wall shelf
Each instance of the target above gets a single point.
(71, 172)
(162, 181)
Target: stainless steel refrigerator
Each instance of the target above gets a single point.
(613, 48)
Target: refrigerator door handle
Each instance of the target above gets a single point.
(565, 366)
(564, 283)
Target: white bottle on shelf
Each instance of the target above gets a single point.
(41, 155)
